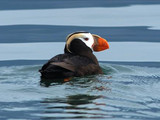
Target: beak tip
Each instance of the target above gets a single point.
(102, 45)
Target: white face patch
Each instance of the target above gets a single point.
(87, 38)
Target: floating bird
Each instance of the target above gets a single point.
(78, 58)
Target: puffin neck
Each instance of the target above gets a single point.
(77, 47)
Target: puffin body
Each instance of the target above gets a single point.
(78, 58)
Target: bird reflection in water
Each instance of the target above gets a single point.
(50, 82)
(80, 82)
(87, 106)
(73, 107)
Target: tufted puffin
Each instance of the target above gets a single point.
(78, 58)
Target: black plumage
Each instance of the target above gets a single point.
(79, 61)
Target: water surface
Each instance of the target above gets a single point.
(32, 32)
(122, 92)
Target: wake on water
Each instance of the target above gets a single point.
(123, 91)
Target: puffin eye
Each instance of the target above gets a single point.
(86, 39)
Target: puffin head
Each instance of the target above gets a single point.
(84, 41)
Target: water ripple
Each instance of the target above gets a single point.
(122, 92)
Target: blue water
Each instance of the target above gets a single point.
(129, 87)
(123, 92)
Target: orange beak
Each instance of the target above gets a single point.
(99, 43)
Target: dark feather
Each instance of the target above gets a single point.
(80, 62)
